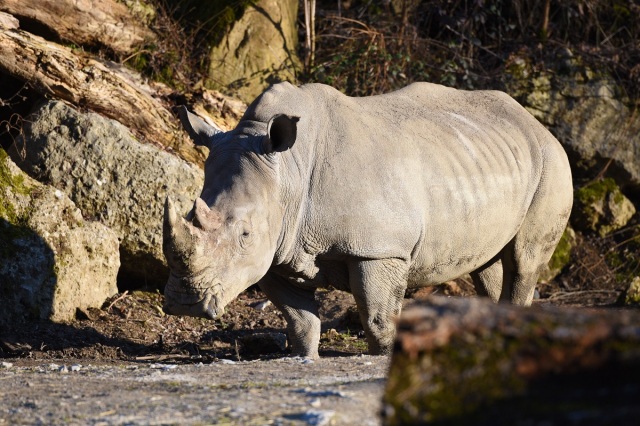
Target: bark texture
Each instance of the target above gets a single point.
(103, 87)
(468, 361)
(101, 23)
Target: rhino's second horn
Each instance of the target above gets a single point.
(205, 218)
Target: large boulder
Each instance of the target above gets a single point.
(586, 111)
(112, 178)
(259, 49)
(601, 207)
(52, 261)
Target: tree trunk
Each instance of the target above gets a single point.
(104, 87)
(101, 23)
(468, 361)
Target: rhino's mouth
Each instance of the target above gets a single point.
(201, 305)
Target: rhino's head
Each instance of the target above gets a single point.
(228, 241)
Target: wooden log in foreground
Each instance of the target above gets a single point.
(468, 361)
(104, 87)
(103, 23)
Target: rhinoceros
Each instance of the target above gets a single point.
(371, 195)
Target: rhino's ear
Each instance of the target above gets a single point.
(281, 133)
(200, 131)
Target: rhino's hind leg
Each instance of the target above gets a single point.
(378, 287)
(530, 251)
(300, 310)
(488, 279)
(542, 228)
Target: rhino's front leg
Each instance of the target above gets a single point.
(378, 287)
(300, 310)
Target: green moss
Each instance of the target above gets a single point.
(601, 207)
(595, 191)
(477, 376)
(11, 222)
(562, 254)
(632, 295)
(453, 380)
(11, 182)
(347, 341)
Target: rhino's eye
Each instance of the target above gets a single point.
(245, 235)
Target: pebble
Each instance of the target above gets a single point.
(261, 306)
(163, 367)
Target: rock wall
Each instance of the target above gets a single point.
(260, 49)
(586, 111)
(112, 178)
(52, 261)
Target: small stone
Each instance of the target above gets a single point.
(261, 306)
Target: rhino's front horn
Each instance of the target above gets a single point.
(176, 234)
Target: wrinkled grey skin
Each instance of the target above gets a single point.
(370, 195)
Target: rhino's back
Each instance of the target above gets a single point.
(440, 177)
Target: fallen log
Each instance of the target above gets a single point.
(104, 87)
(100, 23)
(8, 21)
(468, 361)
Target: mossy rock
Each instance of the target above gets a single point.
(10, 181)
(260, 49)
(632, 295)
(52, 261)
(15, 203)
(601, 207)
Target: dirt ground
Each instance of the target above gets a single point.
(128, 363)
(332, 390)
